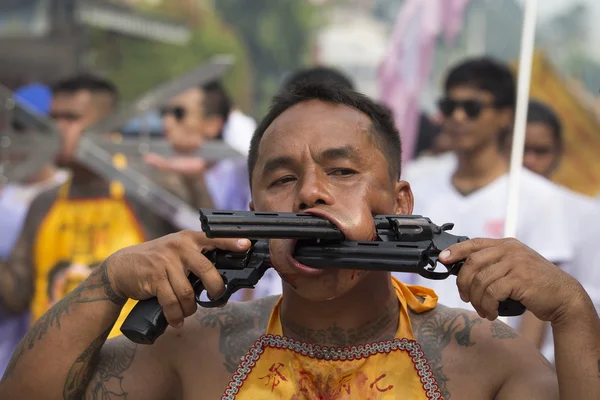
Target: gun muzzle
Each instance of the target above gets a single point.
(266, 225)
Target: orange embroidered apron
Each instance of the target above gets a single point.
(277, 367)
(76, 235)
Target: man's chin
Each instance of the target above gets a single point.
(329, 286)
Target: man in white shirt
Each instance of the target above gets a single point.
(470, 188)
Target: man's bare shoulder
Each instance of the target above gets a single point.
(226, 333)
(472, 357)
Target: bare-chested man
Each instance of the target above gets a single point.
(334, 334)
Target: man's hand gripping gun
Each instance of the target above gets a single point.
(404, 243)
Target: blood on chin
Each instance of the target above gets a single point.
(328, 286)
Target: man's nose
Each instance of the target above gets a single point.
(530, 160)
(459, 115)
(313, 191)
(63, 125)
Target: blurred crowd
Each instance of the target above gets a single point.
(63, 221)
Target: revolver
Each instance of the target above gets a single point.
(404, 243)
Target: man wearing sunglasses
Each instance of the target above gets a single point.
(191, 119)
(470, 185)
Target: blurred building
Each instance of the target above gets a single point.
(42, 40)
(355, 42)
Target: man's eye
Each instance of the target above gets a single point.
(343, 172)
(283, 180)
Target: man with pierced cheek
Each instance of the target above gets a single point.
(333, 334)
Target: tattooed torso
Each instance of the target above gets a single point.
(456, 343)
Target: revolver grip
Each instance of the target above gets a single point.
(145, 323)
(511, 308)
(506, 308)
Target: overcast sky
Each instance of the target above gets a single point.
(549, 8)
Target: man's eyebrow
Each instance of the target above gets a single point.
(277, 162)
(344, 152)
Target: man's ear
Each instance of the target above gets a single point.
(251, 205)
(507, 116)
(212, 126)
(404, 198)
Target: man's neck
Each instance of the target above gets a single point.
(368, 313)
(478, 169)
(83, 176)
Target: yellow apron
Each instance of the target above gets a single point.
(277, 367)
(75, 236)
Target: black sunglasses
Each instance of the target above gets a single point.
(178, 112)
(471, 107)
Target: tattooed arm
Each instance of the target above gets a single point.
(65, 353)
(472, 357)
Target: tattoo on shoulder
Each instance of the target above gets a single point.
(502, 331)
(434, 330)
(90, 291)
(81, 372)
(240, 325)
(107, 381)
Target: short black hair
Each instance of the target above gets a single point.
(383, 128)
(539, 112)
(88, 82)
(485, 74)
(216, 102)
(317, 75)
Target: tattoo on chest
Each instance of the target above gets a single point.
(380, 328)
(435, 330)
(239, 327)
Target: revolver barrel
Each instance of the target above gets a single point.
(266, 225)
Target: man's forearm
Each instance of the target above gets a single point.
(199, 195)
(15, 290)
(533, 329)
(60, 351)
(577, 352)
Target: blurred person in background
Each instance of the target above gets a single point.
(199, 115)
(191, 119)
(71, 227)
(544, 149)
(471, 192)
(15, 198)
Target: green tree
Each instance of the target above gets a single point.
(277, 34)
(136, 66)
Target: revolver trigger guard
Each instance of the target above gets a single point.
(219, 301)
(454, 269)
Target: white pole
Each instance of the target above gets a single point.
(518, 144)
